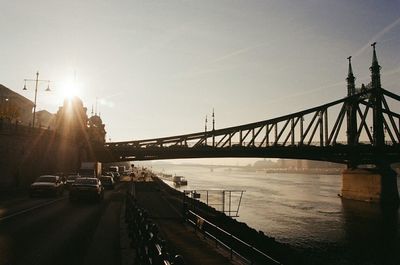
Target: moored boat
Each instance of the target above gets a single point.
(179, 180)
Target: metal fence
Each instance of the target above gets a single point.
(234, 245)
(150, 247)
(226, 201)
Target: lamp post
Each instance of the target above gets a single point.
(37, 80)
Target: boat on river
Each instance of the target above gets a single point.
(179, 181)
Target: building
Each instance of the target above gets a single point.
(72, 121)
(14, 107)
(45, 119)
(96, 130)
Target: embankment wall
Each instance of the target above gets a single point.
(26, 153)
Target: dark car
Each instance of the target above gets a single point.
(47, 185)
(71, 180)
(86, 188)
(107, 182)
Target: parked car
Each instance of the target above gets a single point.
(71, 180)
(86, 188)
(107, 182)
(47, 185)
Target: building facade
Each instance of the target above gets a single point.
(14, 107)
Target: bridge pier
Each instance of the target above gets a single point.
(378, 185)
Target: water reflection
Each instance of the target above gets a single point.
(371, 233)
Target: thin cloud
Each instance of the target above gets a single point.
(310, 91)
(378, 36)
(113, 95)
(240, 51)
(106, 103)
(207, 70)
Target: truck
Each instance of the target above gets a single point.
(113, 168)
(90, 169)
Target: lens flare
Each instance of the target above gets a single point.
(69, 90)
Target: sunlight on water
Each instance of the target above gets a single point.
(285, 206)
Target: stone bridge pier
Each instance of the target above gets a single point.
(377, 184)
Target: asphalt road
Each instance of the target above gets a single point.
(54, 231)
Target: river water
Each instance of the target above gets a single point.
(303, 210)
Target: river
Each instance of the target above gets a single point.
(303, 210)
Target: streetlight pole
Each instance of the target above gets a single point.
(37, 80)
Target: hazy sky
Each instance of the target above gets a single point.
(158, 67)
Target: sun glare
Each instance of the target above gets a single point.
(68, 90)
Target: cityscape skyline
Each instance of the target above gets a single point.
(159, 68)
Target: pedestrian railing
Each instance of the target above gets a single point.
(150, 247)
(227, 240)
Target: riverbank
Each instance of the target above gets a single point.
(173, 198)
(279, 251)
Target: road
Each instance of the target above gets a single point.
(54, 231)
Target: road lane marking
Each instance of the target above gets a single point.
(29, 209)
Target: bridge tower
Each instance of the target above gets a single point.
(352, 138)
(205, 131)
(380, 183)
(213, 127)
(378, 132)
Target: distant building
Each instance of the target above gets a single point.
(14, 107)
(72, 121)
(96, 130)
(45, 119)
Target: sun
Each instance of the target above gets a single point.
(69, 90)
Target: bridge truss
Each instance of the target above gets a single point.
(352, 130)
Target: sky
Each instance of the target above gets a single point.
(157, 68)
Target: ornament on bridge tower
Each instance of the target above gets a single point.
(213, 120)
(375, 69)
(351, 87)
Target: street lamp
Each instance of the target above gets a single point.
(36, 88)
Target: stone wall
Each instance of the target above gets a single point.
(26, 153)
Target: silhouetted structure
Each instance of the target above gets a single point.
(96, 130)
(72, 120)
(45, 119)
(14, 107)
